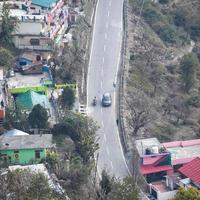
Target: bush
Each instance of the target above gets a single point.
(68, 98)
(194, 101)
(163, 1)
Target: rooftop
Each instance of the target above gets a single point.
(44, 3)
(29, 99)
(149, 169)
(26, 142)
(143, 144)
(183, 151)
(21, 81)
(192, 170)
(160, 186)
(14, 132)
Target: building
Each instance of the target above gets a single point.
(182, 152)
(191, 170)
(27, 100)
(167, 166)
(24, 149)
(39, 23)
(155, 161)
(14, 132)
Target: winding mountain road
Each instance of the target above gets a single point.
(102, 73)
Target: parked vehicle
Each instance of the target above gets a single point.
(106, 99)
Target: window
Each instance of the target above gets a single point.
(16, 151)
(37, 154)
(35, 42)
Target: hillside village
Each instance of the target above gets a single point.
(49, 144)
(41, 31)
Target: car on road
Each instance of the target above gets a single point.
(106, 99)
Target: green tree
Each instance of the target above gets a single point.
(39, 188)
(123, 190)
(68, 98)
(6, 58)
(82, 131)
(188, 67)
(24, 184)
(106, 183)
(38, 117)
(15, 118)
(7, 26)
(190, 193)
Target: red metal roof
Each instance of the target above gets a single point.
(181, 161)
(154, 169)
(192, 170)
(151, 160)
(181, 143)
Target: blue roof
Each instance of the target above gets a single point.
(44, 3)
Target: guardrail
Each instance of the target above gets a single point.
(121, 81)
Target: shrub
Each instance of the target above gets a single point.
(194, 101)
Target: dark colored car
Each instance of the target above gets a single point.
(106, 99)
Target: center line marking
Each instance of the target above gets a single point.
(102, 71)
(107, 150)
(104, 47)
(102, 124)
(104, 137)
(106, 36)
(111, 164)
(108, 13)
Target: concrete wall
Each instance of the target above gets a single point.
(166, 195)
(23, 42)
(26, 156)
(29, 28)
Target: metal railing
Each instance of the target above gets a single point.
(122, 81)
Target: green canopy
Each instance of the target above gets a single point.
(29, 99)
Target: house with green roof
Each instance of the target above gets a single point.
(27, 100)
(24, 149)
(44, 3)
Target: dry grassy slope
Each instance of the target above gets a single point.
(148, 56)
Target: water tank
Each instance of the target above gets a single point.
(155, 149)
(147, 151)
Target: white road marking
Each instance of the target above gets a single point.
(111, 164)
(104, 136)
(102, 124)
(104, 48)
(101, 110)
(91, 50)
(107, 150)
(103, 60)
(106, 36)
(108, 13)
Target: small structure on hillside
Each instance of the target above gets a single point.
(27, 100)
(14, 132)
(24, 149)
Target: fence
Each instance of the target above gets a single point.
(121, 81)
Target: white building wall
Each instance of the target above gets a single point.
(29, 28)
(23, 42)
(166, 195)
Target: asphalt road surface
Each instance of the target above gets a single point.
(104, 62)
